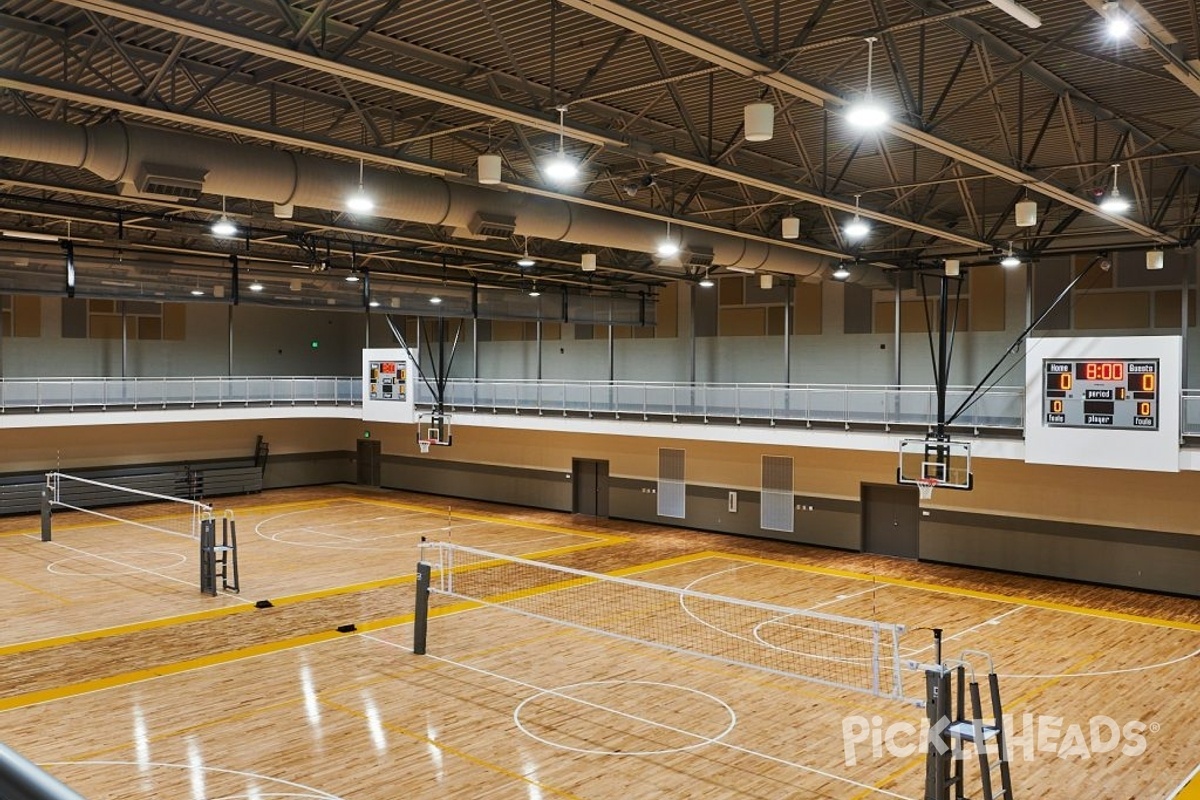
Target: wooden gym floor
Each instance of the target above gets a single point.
(120, 678)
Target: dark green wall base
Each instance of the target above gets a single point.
(1162, 562)
(309, 469)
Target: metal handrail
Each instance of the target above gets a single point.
(1002, 408)
(103, 393)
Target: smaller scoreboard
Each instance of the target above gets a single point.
(1100, 394)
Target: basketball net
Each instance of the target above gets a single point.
(925, 486)
(423, 444)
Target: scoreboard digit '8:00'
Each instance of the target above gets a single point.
(1114, 395)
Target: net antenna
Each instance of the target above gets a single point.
(842, 652)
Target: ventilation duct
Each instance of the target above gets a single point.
(696, 256)
(161, 182)
(117, 151)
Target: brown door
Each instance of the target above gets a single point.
(891, 519)
(589, 484)
(369, 454)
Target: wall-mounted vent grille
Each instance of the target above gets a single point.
(672, 489)
(777, 494)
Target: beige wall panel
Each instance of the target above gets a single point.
(1112, 310)
(806, 316)
(742, 321)
(1157, 501)
(35, 449)
(987, 289)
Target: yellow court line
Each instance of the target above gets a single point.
(1192, 790)
(478, 517)
(960, 592)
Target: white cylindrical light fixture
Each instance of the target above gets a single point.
(759, 122)
(1026, 213)
(952, 267)
(587, 262)
(766, 281)
(489, 168)
(791, 227)
(1154, 259)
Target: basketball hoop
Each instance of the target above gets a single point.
(925, 486)
(424, 445)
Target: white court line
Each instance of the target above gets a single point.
(735, 748)
(311, 792)
(135, 568)
(1179, 789)
(912, 651)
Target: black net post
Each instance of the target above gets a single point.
(208, 557)
(421, 613)
(47, 514)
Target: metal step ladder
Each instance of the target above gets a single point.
(950, 729)
(219, 560)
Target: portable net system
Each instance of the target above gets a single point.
(176, 516)
(842, 652)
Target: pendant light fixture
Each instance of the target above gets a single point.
(856, 228)
(360, 202)
(1010, 258)
(561, 168)
(667, 247)
(525, 260)
(224, 225)
(1113, 202)
(867, 114)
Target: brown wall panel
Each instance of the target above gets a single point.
(732, 290)
(987, 290)
(668, 312)
(743, 321)
(806, 316)
(1167, 313)
(27, 315)
(1112, 310)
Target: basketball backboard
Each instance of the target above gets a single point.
(946, 462)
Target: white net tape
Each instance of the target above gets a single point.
(843, 652)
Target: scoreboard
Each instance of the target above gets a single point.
(1100, 394)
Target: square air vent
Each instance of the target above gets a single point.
(165, 182)
(696, 256)
(492, 226)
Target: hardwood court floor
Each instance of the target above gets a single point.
(135, 686)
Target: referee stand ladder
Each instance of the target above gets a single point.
(218, 559)
(951, 727)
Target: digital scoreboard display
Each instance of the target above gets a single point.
(1114, 395)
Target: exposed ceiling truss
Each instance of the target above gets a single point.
(985, 113)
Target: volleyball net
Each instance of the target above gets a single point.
(837, 651)
(158, 512)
